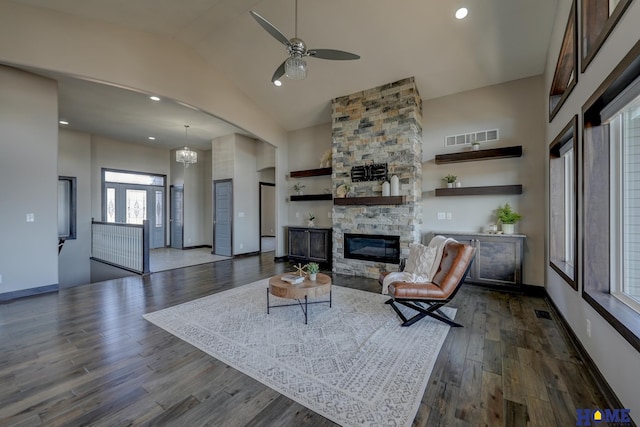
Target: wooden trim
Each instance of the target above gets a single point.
(24, 293)
(566, 276)
(603, 386)
(370, 201)
(471, 156)
(479, 191)
(598, 41)
(306, 197)
(185, 248)
(246, 254)
(310, 172)
(566, 66)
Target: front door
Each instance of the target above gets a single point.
(132, 204)
(223, 211)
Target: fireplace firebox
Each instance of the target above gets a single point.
(372, 247)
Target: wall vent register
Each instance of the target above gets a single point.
(470, 138)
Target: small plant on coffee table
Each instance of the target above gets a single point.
(313, 268)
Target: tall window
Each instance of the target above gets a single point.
(624, 127)
(610, 199)
(562, 204)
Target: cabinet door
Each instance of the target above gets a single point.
(298, 243)
(498, 260)
(318, 245)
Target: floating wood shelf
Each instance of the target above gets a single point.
(306, 197)
(472, 156)
(310, 172)
(479, 191)
(371, 201)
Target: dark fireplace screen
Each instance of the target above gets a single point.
(372, 247)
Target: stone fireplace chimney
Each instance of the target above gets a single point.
(379, 125)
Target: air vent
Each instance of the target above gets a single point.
(542, 314)
(469, 138)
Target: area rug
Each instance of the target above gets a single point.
(352, 363)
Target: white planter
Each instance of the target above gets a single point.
(508, 228)
(313, 276)
(450, 184)
(311, 223)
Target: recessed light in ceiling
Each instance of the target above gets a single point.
(154, 98)
(461, 13)
(63, 122)
(277, 83)
(152, 138)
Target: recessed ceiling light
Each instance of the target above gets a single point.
(154, 98)
(63, 122)
(152, 138)
(277, 83)
(461, 13)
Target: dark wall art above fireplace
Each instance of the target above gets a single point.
(372, 247)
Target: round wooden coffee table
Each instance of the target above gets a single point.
(301, 291)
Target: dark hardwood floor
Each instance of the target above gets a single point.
(85, 356)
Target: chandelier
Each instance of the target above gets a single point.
(186, 156)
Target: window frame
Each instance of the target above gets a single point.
(595, 202)
(567, 136)
(592, 12)
(565, 76)
(72, 207)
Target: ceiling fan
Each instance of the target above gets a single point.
(295, 67)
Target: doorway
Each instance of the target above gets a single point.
(267, 217)
(132, 197)
(222, 217)
(176, 228)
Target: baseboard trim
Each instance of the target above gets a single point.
(246, 254)
(602, 384)
(24, 293)
(534, 291)
(184, 248)
(281, 259)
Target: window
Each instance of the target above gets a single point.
(610, 168)
(598, 19)
(562, 204)
(66, 207)
(624, 135)
(566, 73)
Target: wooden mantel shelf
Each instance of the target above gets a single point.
(480, 191)
(310, 172)
(472, 156)
(371, 201)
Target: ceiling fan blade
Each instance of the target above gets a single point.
(332, 54)
(271, 29)
(279, 72)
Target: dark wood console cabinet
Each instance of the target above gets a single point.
(310, 244)
(498, 261)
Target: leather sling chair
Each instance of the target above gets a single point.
(428, 298)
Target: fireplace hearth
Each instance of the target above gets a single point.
(372, 247)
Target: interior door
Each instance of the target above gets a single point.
(176, 221)
(223, 213)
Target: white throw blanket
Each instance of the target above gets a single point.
(438, 242)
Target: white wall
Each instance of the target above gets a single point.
(615, 357)
(306, 147)
(246, 197)
(111, 154)
(74, 159)
(207, 192)
(515, 108)
(194, 232)
(29, 177)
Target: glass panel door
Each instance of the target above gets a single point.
(136, 206)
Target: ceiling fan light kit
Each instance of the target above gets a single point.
(295, 67)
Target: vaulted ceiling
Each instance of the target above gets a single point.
(499, 41)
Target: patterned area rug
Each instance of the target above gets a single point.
(353, 363)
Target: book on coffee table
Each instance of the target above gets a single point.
(292, 278)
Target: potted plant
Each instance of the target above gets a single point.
(312, 217)
(450, 180)
(313, 269)
(297, 187)
(475, 145)
(507, 218)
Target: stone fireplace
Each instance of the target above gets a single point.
(379, 125)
